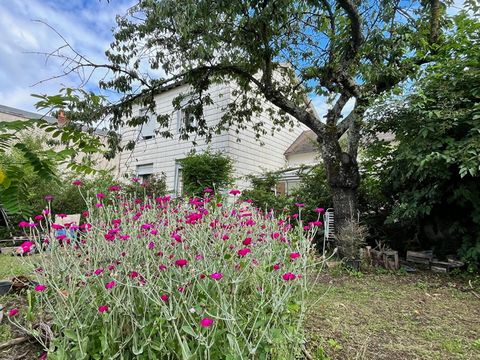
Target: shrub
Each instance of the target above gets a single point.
(156, 185)
(206, 170)
(262, 194)
(158, 279)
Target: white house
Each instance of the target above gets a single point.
(155, 155)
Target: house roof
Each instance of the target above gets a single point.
(305, 143)
(25, 114)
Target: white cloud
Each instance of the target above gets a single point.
(85, 24)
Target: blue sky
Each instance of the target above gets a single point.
(86, 24)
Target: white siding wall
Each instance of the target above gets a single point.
(250, 157)
(164, 152)
(248, 154)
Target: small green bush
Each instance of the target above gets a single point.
(206, 170)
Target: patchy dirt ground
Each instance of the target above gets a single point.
(392, 316)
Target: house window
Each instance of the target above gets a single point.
(178, 180)
(145, 172)
(185, 120)
(147, 130)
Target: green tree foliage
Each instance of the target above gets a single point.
(432, 172)
(205, 170)
(27, 169)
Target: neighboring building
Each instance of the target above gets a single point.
(8, 113)
(156, 155)
(305, 150)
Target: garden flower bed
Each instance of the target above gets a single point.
(156, 278)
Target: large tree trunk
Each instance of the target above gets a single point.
(343, 178)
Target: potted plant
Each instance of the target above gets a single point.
(350, 239)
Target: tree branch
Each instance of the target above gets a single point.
(334, 113)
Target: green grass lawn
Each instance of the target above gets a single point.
(391, 316)
(13, 266)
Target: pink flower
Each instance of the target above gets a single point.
(207, 190)
(294, 255)
(114, 188)
(164, 297)
(98, 271)
(76, 182)
(206, 322)
(133, 274)
(243, 252)
(40, 287)
(110, 284)
(27, 246)
(247, 241)
(181, 262)
(99, 205)
(103, 308)
(48, 197)
(276, 267)
(162, 267)
(13, 312)
(151, 245)
(23, 224)
(216, 276)
(288, 276)
(300, 205)
(319, 210)
(234, 192)
(38, 217)
(101, 195)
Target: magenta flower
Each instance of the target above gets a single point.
(133, 274)
(300, 205)
(76, 182)
(243, 252)
(294, 255)
(23, 224)
(98, 205)
(98, 271)
(208, 190)
(206, 322)
(288, 276)
(48, 197)
(110, 284)
(181, 262)
(101, 195)
(276, 267)
(114, 188)
(216, 276)
(103, 308)
(151, 245)
(40, 287)
(234, 192)
(162, 267)
(13, 312)
(38, 217)
(164, 297)
(247, 241)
